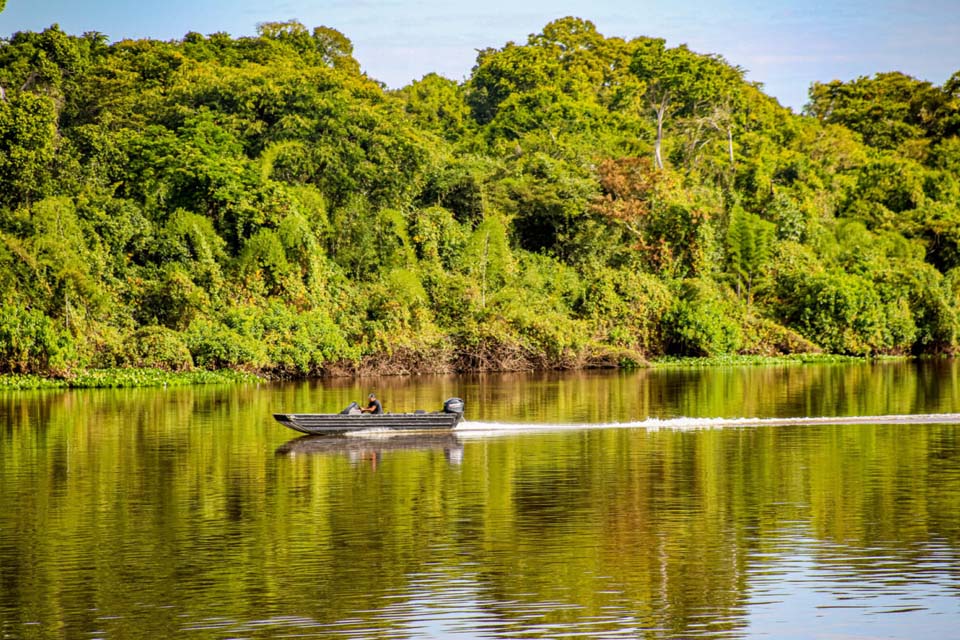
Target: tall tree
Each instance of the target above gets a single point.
(886, 109)
(679, 82)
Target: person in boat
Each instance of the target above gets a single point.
(373, 406)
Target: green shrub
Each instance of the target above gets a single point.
(541, 328)
(397, 311)
(437, 237)
(840, 312)
(264, 259)
(214, 345)
(625, 307)
(765, 337)
(301, 343)
(160, 348)
(105, 346)
(935, 310)
(168, 296)
(30, 342)
(702, 321)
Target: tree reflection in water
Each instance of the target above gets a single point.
(148, 513)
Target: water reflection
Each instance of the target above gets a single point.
(357, 447)
(158, 513)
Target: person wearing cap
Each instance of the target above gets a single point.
(373, 406)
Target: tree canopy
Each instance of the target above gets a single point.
(261, 203)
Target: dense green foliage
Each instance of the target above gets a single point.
(259, 203)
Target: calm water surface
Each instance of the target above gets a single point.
(604, 505)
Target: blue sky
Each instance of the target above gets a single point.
(784, 44)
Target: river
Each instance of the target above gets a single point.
(673, 503)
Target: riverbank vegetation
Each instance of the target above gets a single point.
(260, 204)
(127, 377)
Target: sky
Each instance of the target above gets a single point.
(783, 44)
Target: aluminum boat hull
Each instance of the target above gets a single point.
(327, 423)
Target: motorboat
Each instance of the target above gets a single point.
(352, 419)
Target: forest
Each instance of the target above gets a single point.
(261, 204)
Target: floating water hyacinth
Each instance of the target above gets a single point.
(119, 378)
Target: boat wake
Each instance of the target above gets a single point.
(470, 428)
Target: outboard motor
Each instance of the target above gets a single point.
(353, 407)
(453, 405)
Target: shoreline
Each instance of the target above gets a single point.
(138, 377)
